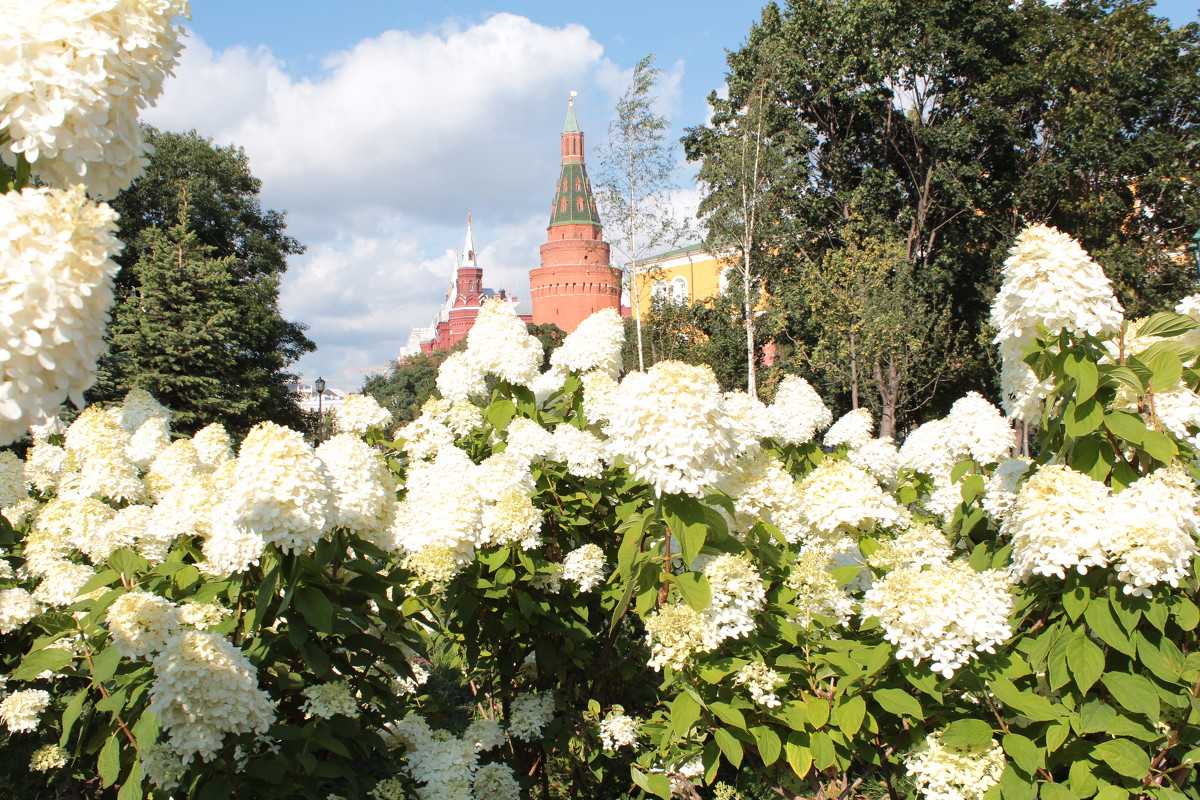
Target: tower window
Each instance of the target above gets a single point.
(578, 185)
(562, 204)
(579, 204)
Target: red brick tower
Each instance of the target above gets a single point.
(575, 279)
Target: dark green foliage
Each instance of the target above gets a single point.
(196, 321)
(946, 127)
(408, 384)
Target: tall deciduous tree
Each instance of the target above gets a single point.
(950, 125)
(196, 320)
(635, 183)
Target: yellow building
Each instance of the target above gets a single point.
(685, 275)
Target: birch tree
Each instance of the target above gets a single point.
(635, 185)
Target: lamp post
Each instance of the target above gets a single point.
(319, 385)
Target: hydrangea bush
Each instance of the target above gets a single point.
(634, 583)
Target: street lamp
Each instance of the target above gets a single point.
(319, 385)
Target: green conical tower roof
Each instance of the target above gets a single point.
(573, 200)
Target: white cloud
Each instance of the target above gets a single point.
(378, 158)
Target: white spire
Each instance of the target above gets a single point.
(468, 251)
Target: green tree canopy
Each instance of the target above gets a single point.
(946, 127)
(196, 321)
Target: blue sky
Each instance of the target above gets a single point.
(379, 124)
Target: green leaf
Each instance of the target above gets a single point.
(728, 714)
(1024, 753)
(1101, 622)
(316, 608)
(108, 764)
(1124, 425)
(1185, 612)
(818, 711)
(684, 713)
(849, 715)
(127, 562)
(655, 783)
(1029, 704)
(685, 518)
(1167, 324)
(823, 752)
(1134, 692)
(967, 733)
(1123, 756)
(1160, 446)
(131, 787)
(769, 745)
(1083, 418)
(1123, 375)
(50, 659)
(730, 746)
(694, 588)
(1111, 792)
(899, 702)
(1165, 362)
(1083, 370)
(1057, 791)
(798, 757)
(1086, 661)
(1075, 601)
(104, 665)
(264, 598)
(71, 714)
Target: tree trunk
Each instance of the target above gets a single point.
(751, 360)
(853, 373)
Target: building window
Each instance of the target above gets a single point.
(579, 204)
(660, 291)
(679, 289)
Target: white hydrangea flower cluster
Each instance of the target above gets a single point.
(737, 595)
(440, 520)
(798, 412)
(14, 485)
(1156, 531)
(427, 434)
(1000, 489)
(326, 700)
(511, 518)
(594, 345)
(763, 489)
(947, 613)
(817, 591)
(1059, 521)
(586, 566)
(496, 781)
(359, 413)
(98, 459)
(838, 496)
(750, 418)
(762, 681)
(162, 766)
(584, 453)
(528, 714)
(922, 545)
(56, 273)
(280, 489)
(459, 378)
(500, 344)
(618, 730)
(880, 457)
(484, 734)
(48, 757)
(854, 429)
(203, 689)
(945, 772)
(675, 632)
(600, 396)
(22, 710)
(75, 75)
(670, 426)
(17, 607)
(528, 440)
(141, 623)
(407, 685)
(1048, 280)
(364, 491)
